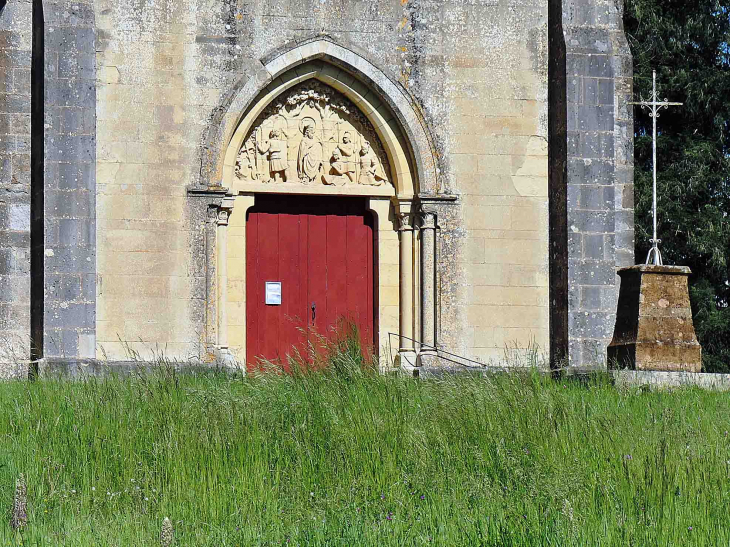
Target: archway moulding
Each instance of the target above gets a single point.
(318, 118)
(393, 113)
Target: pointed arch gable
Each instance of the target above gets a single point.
(396, 116)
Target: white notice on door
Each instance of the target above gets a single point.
(273, 293)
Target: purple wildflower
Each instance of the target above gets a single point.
(423, 497)
(628, 457)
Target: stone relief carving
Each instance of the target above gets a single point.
(276, 149)
(309, 159)
(335, 143)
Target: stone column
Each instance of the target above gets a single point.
(222, 262)
(428, 286)
(591, 181)
(406, 349)
(211, 283)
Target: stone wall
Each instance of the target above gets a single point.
(69, 195)
(600, 176)
(133, 91)
(15, 180)
(497, 160)
(478, 72)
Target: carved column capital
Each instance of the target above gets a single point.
(222, 218)
(224, 212)
(212, 213)
(405, 221)
(428, 219)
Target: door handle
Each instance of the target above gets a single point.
(314, 310)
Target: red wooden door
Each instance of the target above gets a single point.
(321, 251)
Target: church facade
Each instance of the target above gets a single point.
(221, 181)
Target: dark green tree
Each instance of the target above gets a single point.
(686, 41)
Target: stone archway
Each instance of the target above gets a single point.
(349, 71)
(316, 104)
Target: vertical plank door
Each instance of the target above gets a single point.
(321, 251)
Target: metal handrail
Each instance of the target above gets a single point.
(440, 351)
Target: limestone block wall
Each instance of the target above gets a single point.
(600, 171)
(15, 181)
(69, 189)
(107, 107)
(151, 111)
(495, 136)
(478, 71)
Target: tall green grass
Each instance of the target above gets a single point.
(346, 456)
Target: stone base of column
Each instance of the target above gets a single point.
(225, 358)
(407, 361)
(431, 365)
(427, 360)
(654, 328)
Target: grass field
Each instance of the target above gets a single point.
(346, 457)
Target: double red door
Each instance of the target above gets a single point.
(321, 252)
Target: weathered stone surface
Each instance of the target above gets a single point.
(15, 183)
(69, 198)
(140, 101)
(654, 328)
(600, 170)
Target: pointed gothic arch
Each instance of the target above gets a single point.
(393, 111)
(403, 136)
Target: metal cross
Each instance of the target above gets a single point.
(654, 107)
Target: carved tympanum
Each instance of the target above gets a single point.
(314, 135)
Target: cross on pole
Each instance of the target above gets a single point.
(654, 107)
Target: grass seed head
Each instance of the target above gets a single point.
(166, 534)
(19, 517)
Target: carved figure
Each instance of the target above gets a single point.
(370, 172)
(347, 151)
(325, 120)
(246, 161)
(337, 170)
(277, 149)
(309, 159)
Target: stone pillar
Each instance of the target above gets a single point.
(237, 279)
(428, 287)
(222, 263)
(16, 37)
(65, 243)
(406, 348)
(654, 329)
(594, 197)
